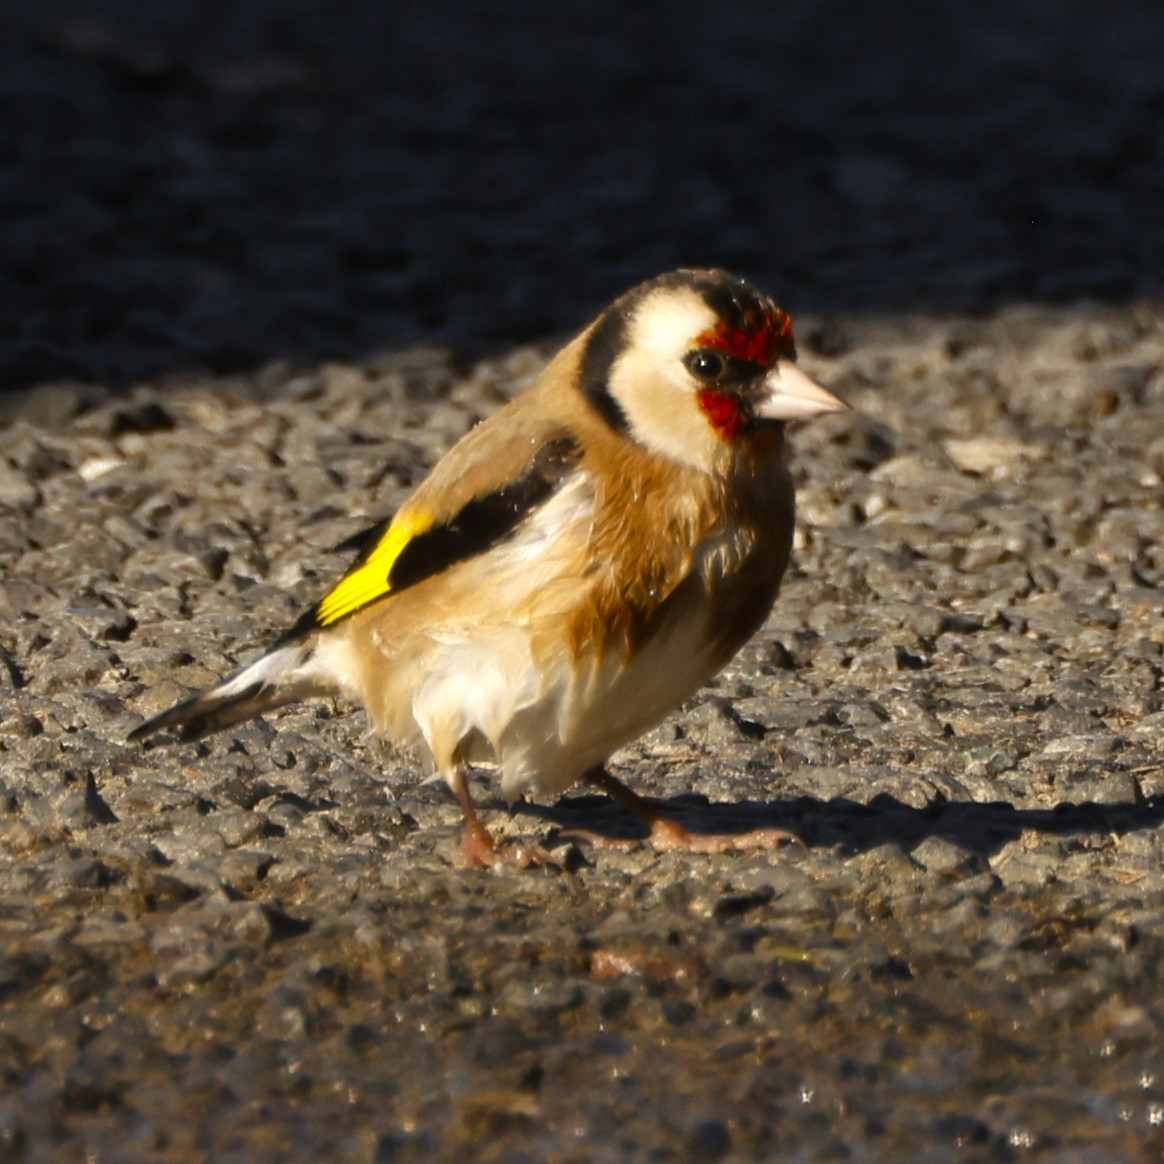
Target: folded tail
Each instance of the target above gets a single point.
(285, 674)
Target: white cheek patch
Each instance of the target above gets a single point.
(666, 323)
(653, 387)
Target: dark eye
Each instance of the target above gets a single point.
(704, 364)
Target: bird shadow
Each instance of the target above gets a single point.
(983, 828)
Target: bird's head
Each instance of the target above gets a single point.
(698, 365)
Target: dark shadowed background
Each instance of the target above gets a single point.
(215, 183)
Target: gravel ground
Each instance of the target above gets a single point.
(956, 705)
(262, 946)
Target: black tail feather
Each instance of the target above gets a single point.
(282, 675)
(203, 714)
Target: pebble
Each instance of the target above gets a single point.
(16, 490)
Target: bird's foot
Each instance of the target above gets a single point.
(666, 835)
(669, 836)
(481, 850)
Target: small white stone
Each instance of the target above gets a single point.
(98, 466)
(989, 455)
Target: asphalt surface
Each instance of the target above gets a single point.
(264, 265)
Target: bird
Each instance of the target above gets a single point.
(575, 567)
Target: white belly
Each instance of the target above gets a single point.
(460, 664)
(585, 714)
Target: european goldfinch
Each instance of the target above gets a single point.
(575, 566)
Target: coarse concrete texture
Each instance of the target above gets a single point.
(265, 263)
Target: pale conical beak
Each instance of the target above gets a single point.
(793, 394)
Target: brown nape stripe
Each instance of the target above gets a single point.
(606, 341)
(480, 525)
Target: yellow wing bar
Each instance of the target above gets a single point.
(368, 580)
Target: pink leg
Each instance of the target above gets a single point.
(478, 848)
(668, 835)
